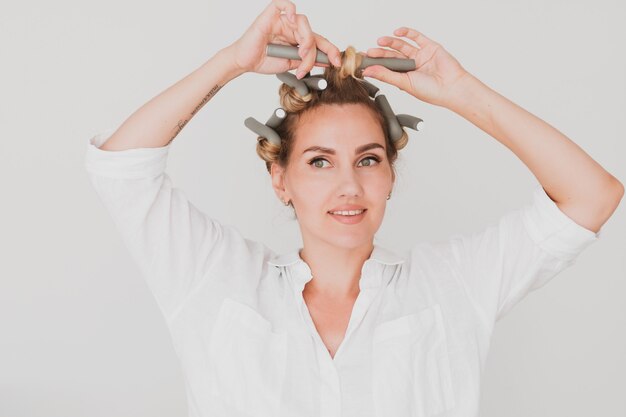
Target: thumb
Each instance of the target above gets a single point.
(384, 74)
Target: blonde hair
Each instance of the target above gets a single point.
(344, 87)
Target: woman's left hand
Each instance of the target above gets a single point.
(436, 74)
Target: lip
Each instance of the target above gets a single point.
(349, 219)
(347, 207)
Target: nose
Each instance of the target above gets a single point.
(349, 183)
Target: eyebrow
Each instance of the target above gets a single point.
(358, 150)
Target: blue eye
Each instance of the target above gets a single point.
(314, 160)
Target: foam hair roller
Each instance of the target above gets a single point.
(291, 52)
(303, 87)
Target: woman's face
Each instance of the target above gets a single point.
(338, 159)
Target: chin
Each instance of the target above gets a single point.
(351, 240)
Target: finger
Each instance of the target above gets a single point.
(291, 37)
(419, 38)
(293, 33)
(384, 53)
(399, 45)
(333, 53)
(277, 7)
(289, 30)
(307, 49)
(293, 64)
(386, 75)
(321, 43)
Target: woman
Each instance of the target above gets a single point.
(341, 326)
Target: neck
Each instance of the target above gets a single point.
(336, 270)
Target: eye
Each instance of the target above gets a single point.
(314, 160)
(375, 158)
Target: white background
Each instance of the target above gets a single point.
(80, 334)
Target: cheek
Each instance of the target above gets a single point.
(311, 193)
(306, 183)
(380, 184)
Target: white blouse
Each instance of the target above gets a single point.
(418, 334)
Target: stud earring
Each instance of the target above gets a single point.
(286, 202)
(389, 196)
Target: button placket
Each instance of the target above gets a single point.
(330, 392)
(330, 395)
(369, 284)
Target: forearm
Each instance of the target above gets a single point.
(566, 172)
(159, 121)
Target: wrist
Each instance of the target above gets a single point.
(227, 61)
(474, 101)
(463, 93)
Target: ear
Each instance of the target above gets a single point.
(278, 181)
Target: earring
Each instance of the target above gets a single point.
(286, 202)
(389, 196)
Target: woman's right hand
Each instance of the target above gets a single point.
(271, 26)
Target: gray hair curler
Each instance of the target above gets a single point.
(316, 82)
(303, 86)
(291, 52)
(267, 130)
(395, 122)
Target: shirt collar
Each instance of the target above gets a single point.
(371, 273)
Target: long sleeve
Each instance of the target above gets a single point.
(175, 245)
(521, 252)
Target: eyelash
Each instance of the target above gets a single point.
(312, 161)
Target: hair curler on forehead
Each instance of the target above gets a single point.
(395, 122)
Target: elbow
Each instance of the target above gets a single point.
(619, 189)
(614, 194)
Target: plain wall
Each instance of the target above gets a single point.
(79, 332)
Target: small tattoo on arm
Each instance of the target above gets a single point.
(178, 128)
(181, 123)
(206, 98)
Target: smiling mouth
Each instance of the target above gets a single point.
(348, 213)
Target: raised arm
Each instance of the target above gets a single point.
(179, 248)
(579, 186)
(158, 122)
(161, 119)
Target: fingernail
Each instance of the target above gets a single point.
(300, 74)
(337, 61)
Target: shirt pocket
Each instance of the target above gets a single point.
(411, 374)
(247, 360)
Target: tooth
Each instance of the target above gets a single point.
(347, 212)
